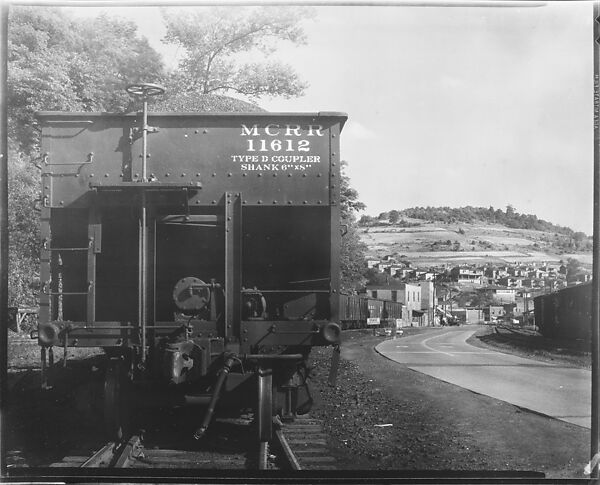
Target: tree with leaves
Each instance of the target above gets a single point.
(573, 268)
(58, 62)
(352, 254)
(366, 220)
(376, 278)
(481, 298)
(23, 223)
(221, 46)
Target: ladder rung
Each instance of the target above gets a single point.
(67, 249)
(62, 293)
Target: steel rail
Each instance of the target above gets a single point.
(271, 356)
(287, 450)
(100, 458)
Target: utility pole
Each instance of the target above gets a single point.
(432, 322)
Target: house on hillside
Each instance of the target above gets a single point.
(467, 275)
(401, 272)
(518, 271)
(424, 275)
(538, 273)
(510, 281)
(527, 282)
(502, 294)
(491, 272)
(396, 270)
(503, 271)
(384, 267)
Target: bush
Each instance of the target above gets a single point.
(24, 233)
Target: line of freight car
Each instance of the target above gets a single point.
(355, 310)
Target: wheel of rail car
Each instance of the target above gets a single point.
(116, 415)
(145, 89)
(264, 411)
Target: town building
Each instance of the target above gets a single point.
(493, 313)
(467, 275)
(469, 316)
(408, 294)
(427, 298)
(502, 294)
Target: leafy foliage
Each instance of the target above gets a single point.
(394, 216)
(510, 218)
(573, 268)
(479, 298)
(56, 62)
(215, 41)
(24, 245)
(349, 203)
(59, 63)
(352, 254)
(352, 260)
(376, 278)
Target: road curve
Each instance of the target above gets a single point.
(554, 390)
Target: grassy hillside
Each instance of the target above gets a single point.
(435, 243)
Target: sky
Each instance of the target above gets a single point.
(448, 106)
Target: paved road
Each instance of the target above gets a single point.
(554, 390)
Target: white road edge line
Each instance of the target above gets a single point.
(438, 352)
(424, 343)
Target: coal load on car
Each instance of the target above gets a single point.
(200, 250)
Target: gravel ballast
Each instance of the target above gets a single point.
(383, 416)
(380, 416)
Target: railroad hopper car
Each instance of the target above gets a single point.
(356, 309)
(565, 314)
(201, 251)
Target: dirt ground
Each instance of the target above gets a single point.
(384, 416)
(380, 416)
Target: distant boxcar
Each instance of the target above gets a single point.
(354, 310)
(565, 314)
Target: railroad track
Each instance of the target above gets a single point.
(299, 445)
(302, 444)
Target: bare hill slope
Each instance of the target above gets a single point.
(433, 243)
